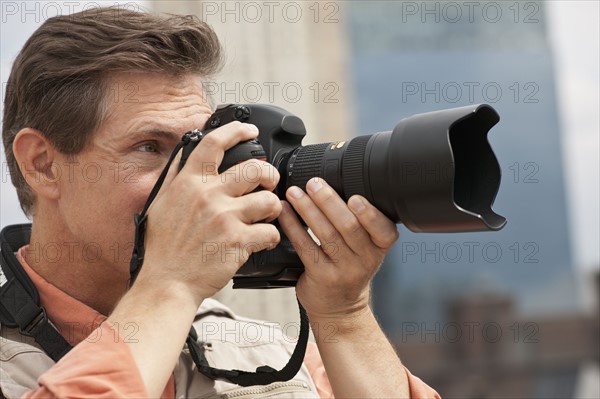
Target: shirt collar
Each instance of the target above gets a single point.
(74, 320)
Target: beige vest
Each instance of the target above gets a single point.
(229, 342)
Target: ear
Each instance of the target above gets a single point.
(36, 158)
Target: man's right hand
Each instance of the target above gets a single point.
(203, 226)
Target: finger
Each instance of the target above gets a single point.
(264, 236)
(336, 210)
(331, 240)
(306, 248)
(248, 240)
(208, 155)
(246, 176)
(383, 231)
(258, 206)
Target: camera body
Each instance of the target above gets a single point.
(280, 132)
(392, 170)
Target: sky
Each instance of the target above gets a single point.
(574, 37)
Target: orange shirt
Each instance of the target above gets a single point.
(101, 365)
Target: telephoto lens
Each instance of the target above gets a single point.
(435, 172)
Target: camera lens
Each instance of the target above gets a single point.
(435, 172)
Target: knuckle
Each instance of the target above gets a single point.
(270, 175)
(264, 205)
(327, 194)
(250, 162)
(252, 171)
(221, 218)
(237, 239)
(277, 208)
(236, 125)
(389, 239)
(330, 249)
(252, 247)
(370, 216)
(352, 226)
(271, 200)
(244, 255)
(330, 237)
(212, 140)
(395, 236)
(263, 236)
(272, 169)
(274, 235)
(202, 198)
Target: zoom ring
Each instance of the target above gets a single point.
(306, 164)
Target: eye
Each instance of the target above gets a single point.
(149, 146)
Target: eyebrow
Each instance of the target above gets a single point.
(155, 133)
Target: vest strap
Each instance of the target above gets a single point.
(20, 309)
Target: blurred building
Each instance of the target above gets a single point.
(485, 350)
(409, 58)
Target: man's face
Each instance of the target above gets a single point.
(103, 186)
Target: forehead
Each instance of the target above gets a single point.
(136, 84)
(172, 103)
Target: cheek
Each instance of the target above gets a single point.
(137, 189)
(123, 187)
(102, 201)
(124, 199)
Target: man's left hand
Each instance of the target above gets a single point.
(354, 239)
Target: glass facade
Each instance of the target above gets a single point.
(413, 57)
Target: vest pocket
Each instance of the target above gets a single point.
(245, 356)
(286, 389)
(244, 345)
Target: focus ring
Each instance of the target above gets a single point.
(353, 168)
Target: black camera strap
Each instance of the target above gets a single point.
(140, 219)
(263, 375)
(19, 299)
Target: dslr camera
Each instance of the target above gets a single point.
(434, 172)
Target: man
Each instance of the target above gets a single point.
(95, 104)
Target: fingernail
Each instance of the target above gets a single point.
(357, 204)
(295, 192)
(251, 127)
(314, 185)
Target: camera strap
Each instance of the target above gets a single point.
(19, 299)
(263, 375)
(140, 219)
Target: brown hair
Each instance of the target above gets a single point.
(58, 82)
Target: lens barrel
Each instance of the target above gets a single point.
(435, 172)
